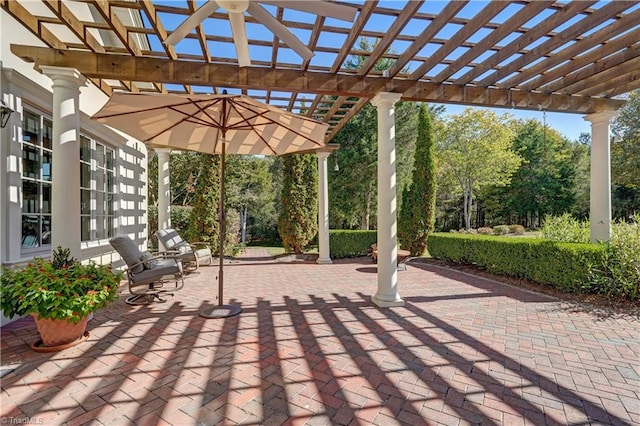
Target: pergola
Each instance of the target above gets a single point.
(564, 56)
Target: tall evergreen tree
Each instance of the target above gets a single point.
(353, 189)
(204, 224)
(417, 215)
(298, 219)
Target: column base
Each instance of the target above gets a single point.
(324, 261)
(387, 303)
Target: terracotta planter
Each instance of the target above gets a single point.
(60, 332)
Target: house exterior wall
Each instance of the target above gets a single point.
(24, 89)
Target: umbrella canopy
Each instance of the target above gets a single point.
(213, 124)
(198, 122)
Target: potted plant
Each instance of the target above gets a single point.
(59, 294)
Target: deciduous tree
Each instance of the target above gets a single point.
(474, 148)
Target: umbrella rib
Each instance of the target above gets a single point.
(253, 127)
(271, 121)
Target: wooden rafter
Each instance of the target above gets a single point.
(78, 28)
(425, 37)
(202, 38)
(616, 86)
(352, 36)
(459, 37)
(106, 10)
(152, 15)
(541, 30)
(606, 12)
(626, 61)
(390, 36)
(583, 45)
(497, 34)
(581, 61)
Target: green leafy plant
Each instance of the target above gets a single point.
(60, 289)
(565, 228)
(619, 274)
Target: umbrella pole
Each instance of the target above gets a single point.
(221, 311)
(222, 226)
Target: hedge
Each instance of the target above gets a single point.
(350, 243)
(566, 266)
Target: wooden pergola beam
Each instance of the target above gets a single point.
(121, 67)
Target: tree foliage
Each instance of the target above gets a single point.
(474, 150)
(183, 173)
(250, 193)
(205, 217)
(544, 183)
(298, 219)
(625, 152)
(417, 216)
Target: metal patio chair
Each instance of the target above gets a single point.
(192, 254)
(150, 276)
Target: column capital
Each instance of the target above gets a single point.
(62, 73)
(162, 150)
(383, 98)
(600, 117)
(323, 155)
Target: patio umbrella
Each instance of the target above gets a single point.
(213, 124)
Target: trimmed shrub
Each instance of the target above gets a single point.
(485, 231)
(566, 266)
(351, 243)
(516, 229)
(500, 230)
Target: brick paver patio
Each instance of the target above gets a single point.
(310, 348)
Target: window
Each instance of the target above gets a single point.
(36, 180)
(97, 190)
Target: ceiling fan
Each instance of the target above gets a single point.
(236, 9)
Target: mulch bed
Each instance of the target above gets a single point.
(600, 305)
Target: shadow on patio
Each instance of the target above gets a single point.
(310, 347)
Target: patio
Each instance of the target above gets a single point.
(310, 348)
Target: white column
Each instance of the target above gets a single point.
(65, 170)
(600, 194)
(164, 189)
(387, 294)
(323, 209)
